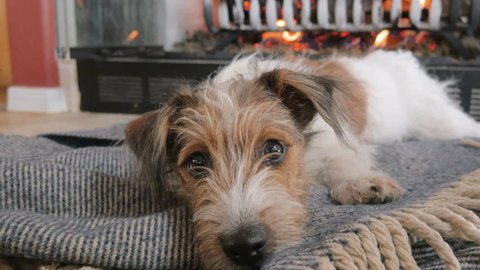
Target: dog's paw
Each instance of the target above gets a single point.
(375, 189)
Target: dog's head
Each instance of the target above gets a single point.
(236, 150)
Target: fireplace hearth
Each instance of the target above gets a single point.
(134, 79)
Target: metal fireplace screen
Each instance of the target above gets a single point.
(344, 15)
(137, 78)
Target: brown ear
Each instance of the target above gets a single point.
(305, 95)
(140, 130)
(151, 139)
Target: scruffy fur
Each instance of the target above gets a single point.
(326, 114)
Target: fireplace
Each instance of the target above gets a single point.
(138, 72)
(427, 27)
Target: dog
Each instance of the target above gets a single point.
(243, 146)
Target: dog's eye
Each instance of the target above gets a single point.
(274, 151)
(197, 165)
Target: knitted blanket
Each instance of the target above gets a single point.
(72, 198)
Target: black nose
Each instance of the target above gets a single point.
(245, 246)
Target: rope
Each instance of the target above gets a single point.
(472, 204)
(435, 223)
(401, 243)
(470, 142)
(385, 243)
(340, 258)
(429, 235)
(324, 263)
(370, 246)
(458, 223)
(468, 215)
(354, 247)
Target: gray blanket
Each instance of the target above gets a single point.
(72, 198)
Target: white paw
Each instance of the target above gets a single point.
(376, 189)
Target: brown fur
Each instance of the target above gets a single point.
(231, 128)
(231, 123)
(354, 101)
(254, 119)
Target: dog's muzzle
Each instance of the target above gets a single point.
(245, 246)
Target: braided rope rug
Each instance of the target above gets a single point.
(64, 198)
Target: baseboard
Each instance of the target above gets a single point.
(36, 99)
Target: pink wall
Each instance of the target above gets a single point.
(31, 26)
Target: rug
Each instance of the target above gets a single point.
(72, 198)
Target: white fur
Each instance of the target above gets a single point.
(244, 202)
(403, 101)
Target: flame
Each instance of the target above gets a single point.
(291, 36)
(387, 4)
(133, 35)
(246, 5)
(281, 23)
(381, 39)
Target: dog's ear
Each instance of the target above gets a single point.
(152, 141)
(305, 95)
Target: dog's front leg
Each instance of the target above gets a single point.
(349, 173)
(374, 188)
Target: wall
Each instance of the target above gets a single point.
(32, 42)
(5, 65)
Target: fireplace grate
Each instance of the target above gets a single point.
(342, 15)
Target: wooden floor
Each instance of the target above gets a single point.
(30, 124)
(3, 98)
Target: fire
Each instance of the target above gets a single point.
(284, 37)
(281, 23)
(405, 4)
(246, 5)
(133, 35)
(291, 36)
(381, 39)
